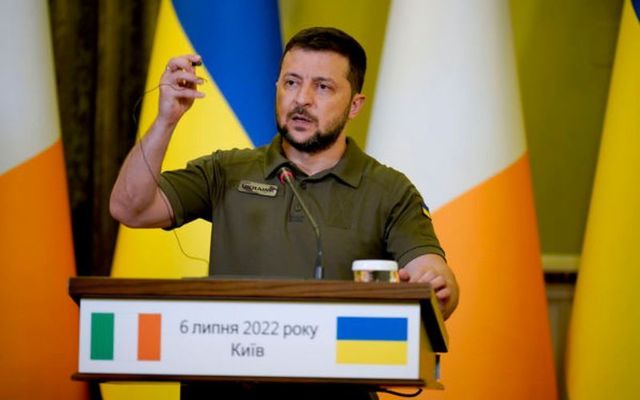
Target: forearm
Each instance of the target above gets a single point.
(136, 199)
(136, 188)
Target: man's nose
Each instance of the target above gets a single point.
(304, 96)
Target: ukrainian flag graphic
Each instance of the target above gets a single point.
(366, 340)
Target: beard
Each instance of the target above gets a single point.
(321, 140)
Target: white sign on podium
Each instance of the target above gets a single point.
(245, 338)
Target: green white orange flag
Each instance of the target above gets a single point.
(447, 113)
(39, 328)
(604, 339)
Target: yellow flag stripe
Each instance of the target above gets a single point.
(603, 346)
(371, 352)
(209, 125)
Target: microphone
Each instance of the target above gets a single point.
(286, 176)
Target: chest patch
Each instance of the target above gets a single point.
(261, 189)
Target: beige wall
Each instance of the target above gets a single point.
(565, 53)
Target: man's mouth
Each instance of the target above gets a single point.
(301, 117)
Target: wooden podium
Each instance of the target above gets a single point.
(302, 331)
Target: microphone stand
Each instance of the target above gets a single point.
(286, 175)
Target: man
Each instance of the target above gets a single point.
(364, 209)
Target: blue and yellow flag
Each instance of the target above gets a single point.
(371, 340)
(241, 45)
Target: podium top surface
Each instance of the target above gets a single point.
(195, 288)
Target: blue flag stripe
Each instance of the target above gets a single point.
(241, 45)
(365, 328)
(636, 7)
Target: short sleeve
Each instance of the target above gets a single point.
(409, 229)
(192, 190)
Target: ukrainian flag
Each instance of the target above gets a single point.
(367, 340)
(240, 44)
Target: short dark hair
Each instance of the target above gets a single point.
(332, 39)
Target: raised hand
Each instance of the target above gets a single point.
(178, 87)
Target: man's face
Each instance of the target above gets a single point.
(314, 99)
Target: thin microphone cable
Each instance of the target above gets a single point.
(153, 175)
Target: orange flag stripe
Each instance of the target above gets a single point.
(149, 336)
(39, 334)
(505, 261)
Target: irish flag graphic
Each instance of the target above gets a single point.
(103, 337)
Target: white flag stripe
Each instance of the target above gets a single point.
(29, 120)
(448, 68)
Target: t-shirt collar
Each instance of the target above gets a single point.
(349, 169)
(274, 158)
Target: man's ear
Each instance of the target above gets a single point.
(356, 104)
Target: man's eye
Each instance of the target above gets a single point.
(289, 83)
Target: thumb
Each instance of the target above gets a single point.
(403, 274)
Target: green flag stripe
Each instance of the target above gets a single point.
(102, 336)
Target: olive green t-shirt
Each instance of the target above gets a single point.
(364, 210)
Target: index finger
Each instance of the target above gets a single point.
(422, 276)
(186, 62)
